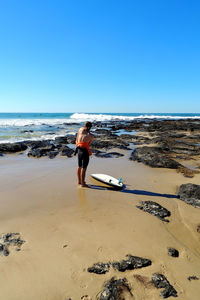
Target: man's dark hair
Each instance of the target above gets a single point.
(88, 124)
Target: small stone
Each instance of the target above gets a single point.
(173, 252)
(99, 268)
(5, 252)
(193, 278)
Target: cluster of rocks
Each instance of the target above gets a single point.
(8, 240)
(173, 141)
(130, 263)
(153, 157)
(117, 289)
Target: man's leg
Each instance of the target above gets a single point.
(83, 172)
(79, 174)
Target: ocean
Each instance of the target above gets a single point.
(16, 127)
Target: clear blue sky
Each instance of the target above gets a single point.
(99, 56)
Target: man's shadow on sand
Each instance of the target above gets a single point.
(135, 192)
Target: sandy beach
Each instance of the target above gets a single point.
(67, 229)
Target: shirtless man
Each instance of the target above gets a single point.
(83, 140)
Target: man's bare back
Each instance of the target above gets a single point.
(84, 136)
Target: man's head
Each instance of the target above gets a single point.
(88, 125)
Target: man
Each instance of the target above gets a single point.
(83, 141)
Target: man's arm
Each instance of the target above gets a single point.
(91, 138)
(77, 136)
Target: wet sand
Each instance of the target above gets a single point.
(67, 229)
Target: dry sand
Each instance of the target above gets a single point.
(68, 228)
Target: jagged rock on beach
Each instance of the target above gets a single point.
(108, 154)
(67, 151)
(153, 157)
(12, 147)
(155, 209)
(10, 239)
(131, 263)
(173, 252)
(61, 140)
(39, 152)
(160, 281)
(116, 289)
(99, 268)
(52, 154)
(190, 194)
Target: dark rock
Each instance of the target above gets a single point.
(61, 140)
(52, 154)
(67, 151)
(12, 147)
(43, 148)
(40, 144)
(108, 154)
(27, 131)
(115, 289)
(5, 252)
(153, 157)
(102, 131)
(105, 142)
(131, 263)
(155, 209)
(190, 193)
(71, 139)
(99, 268)
(198, 228)
(173, 252)
(160, 281)
(193, 278)
(10, 239)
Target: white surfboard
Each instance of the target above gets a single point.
(109, 180)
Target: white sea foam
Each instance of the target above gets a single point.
(33, 122)
(81, 117)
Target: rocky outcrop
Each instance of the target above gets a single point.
(153, 157)
(67, 151)
(190, 194)
(12, 147)
(43, 151)
(102, 154)
(155, 209)
(160, 281)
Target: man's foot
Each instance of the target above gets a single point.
(85, 185)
